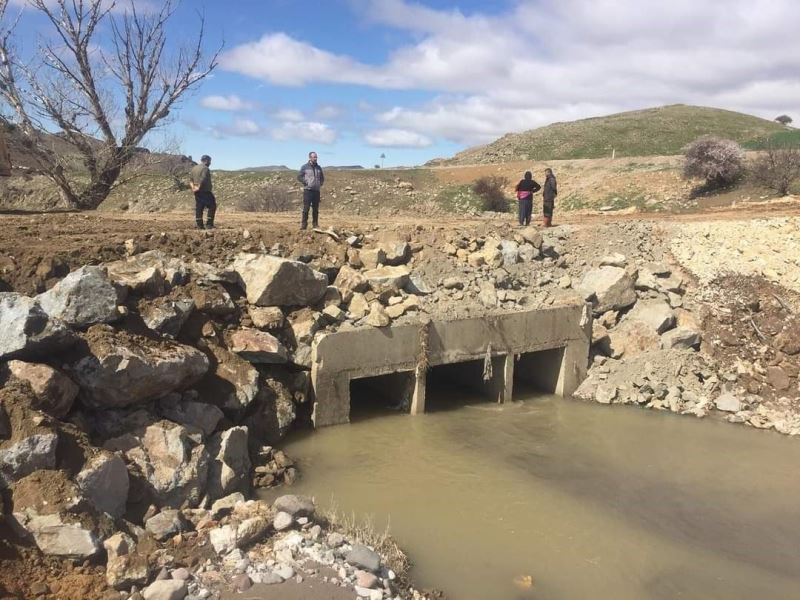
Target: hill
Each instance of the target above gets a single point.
(651, 132)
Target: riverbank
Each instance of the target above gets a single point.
(150, 370)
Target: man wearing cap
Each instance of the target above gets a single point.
(200, 180)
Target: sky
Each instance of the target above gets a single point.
(357, 79)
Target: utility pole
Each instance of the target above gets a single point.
(383, 156)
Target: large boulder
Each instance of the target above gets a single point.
(165, 315)
(171, 462)
(104, 483)
(393, 277)
(272, 414)
(27, 330)
(212, 299)
(396, 252)
(349, 281)
(54, 391)
(50, 508)
(232, 384)
(119, 369)
(150, 273)
(125, 566)
(271, 281)
(257, 346)
(229, 470)
(23, 456)
(631, 338)
(84, 297)
(608, 288)
(656, 314)
(190, 413)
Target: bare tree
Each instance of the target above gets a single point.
(103, 56)
(777, 168)
(718, 161)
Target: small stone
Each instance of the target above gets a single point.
(242, 582)
(165, 589)
(282, 521)
(728, 402)
(366, 579)
(361, 556)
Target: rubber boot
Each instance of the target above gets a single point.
(199, 223)
(209, 223)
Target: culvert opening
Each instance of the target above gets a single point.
(382, 394)
(538, 371)
(457, 384)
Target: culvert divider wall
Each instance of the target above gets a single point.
(340, 357)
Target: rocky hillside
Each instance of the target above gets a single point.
(652, 132)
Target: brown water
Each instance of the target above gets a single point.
(591, 501)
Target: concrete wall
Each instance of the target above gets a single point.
(339, 357)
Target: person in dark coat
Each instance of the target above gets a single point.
(549, 194)
(526, 188)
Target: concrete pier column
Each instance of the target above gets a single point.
(418, 397)
(501, 386)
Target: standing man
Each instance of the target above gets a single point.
(312, 178)
(549, 193)
(200, 180)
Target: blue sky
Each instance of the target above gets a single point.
(353, 79)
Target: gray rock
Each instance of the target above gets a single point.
(377, 316)
(284, 571)
(223, 539)
(165, 589)
(200, 415)
(104, 482)
(166, 316)
(166, 524)
(175, 467)
(418, 285)
(452, 283)
(83, 298)
(608, 288)
(614, 260)
(28, 331)
(120, 369)
(241, 582)
(34, 452)
(271, 281)
(727, 402)
(266, 317)
(656, 314)
(55, 392)
(396, 252)
(282, 521)
(394, 277)
(257, 347)
(364, 558)
(296, 506)
(488, 295)
(225, 505)
(229, 470)
(680, 338)
(124, 567)
(335, 539)
(510, 251)
(233, 385)
(532, 236)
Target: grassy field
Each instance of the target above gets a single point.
(653, 132)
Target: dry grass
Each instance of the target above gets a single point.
(364, 532)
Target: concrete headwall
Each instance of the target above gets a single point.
(342, 356)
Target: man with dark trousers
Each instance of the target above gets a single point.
(312, 178)
(200, 180)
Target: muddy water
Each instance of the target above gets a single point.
(590, 501)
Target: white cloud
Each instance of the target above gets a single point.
(232, 103)
(288, 114)
(242, 127)
(309, 131)
(546, 60)
(397, 138)
(328, 111)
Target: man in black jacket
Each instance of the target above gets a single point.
(312, 178)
